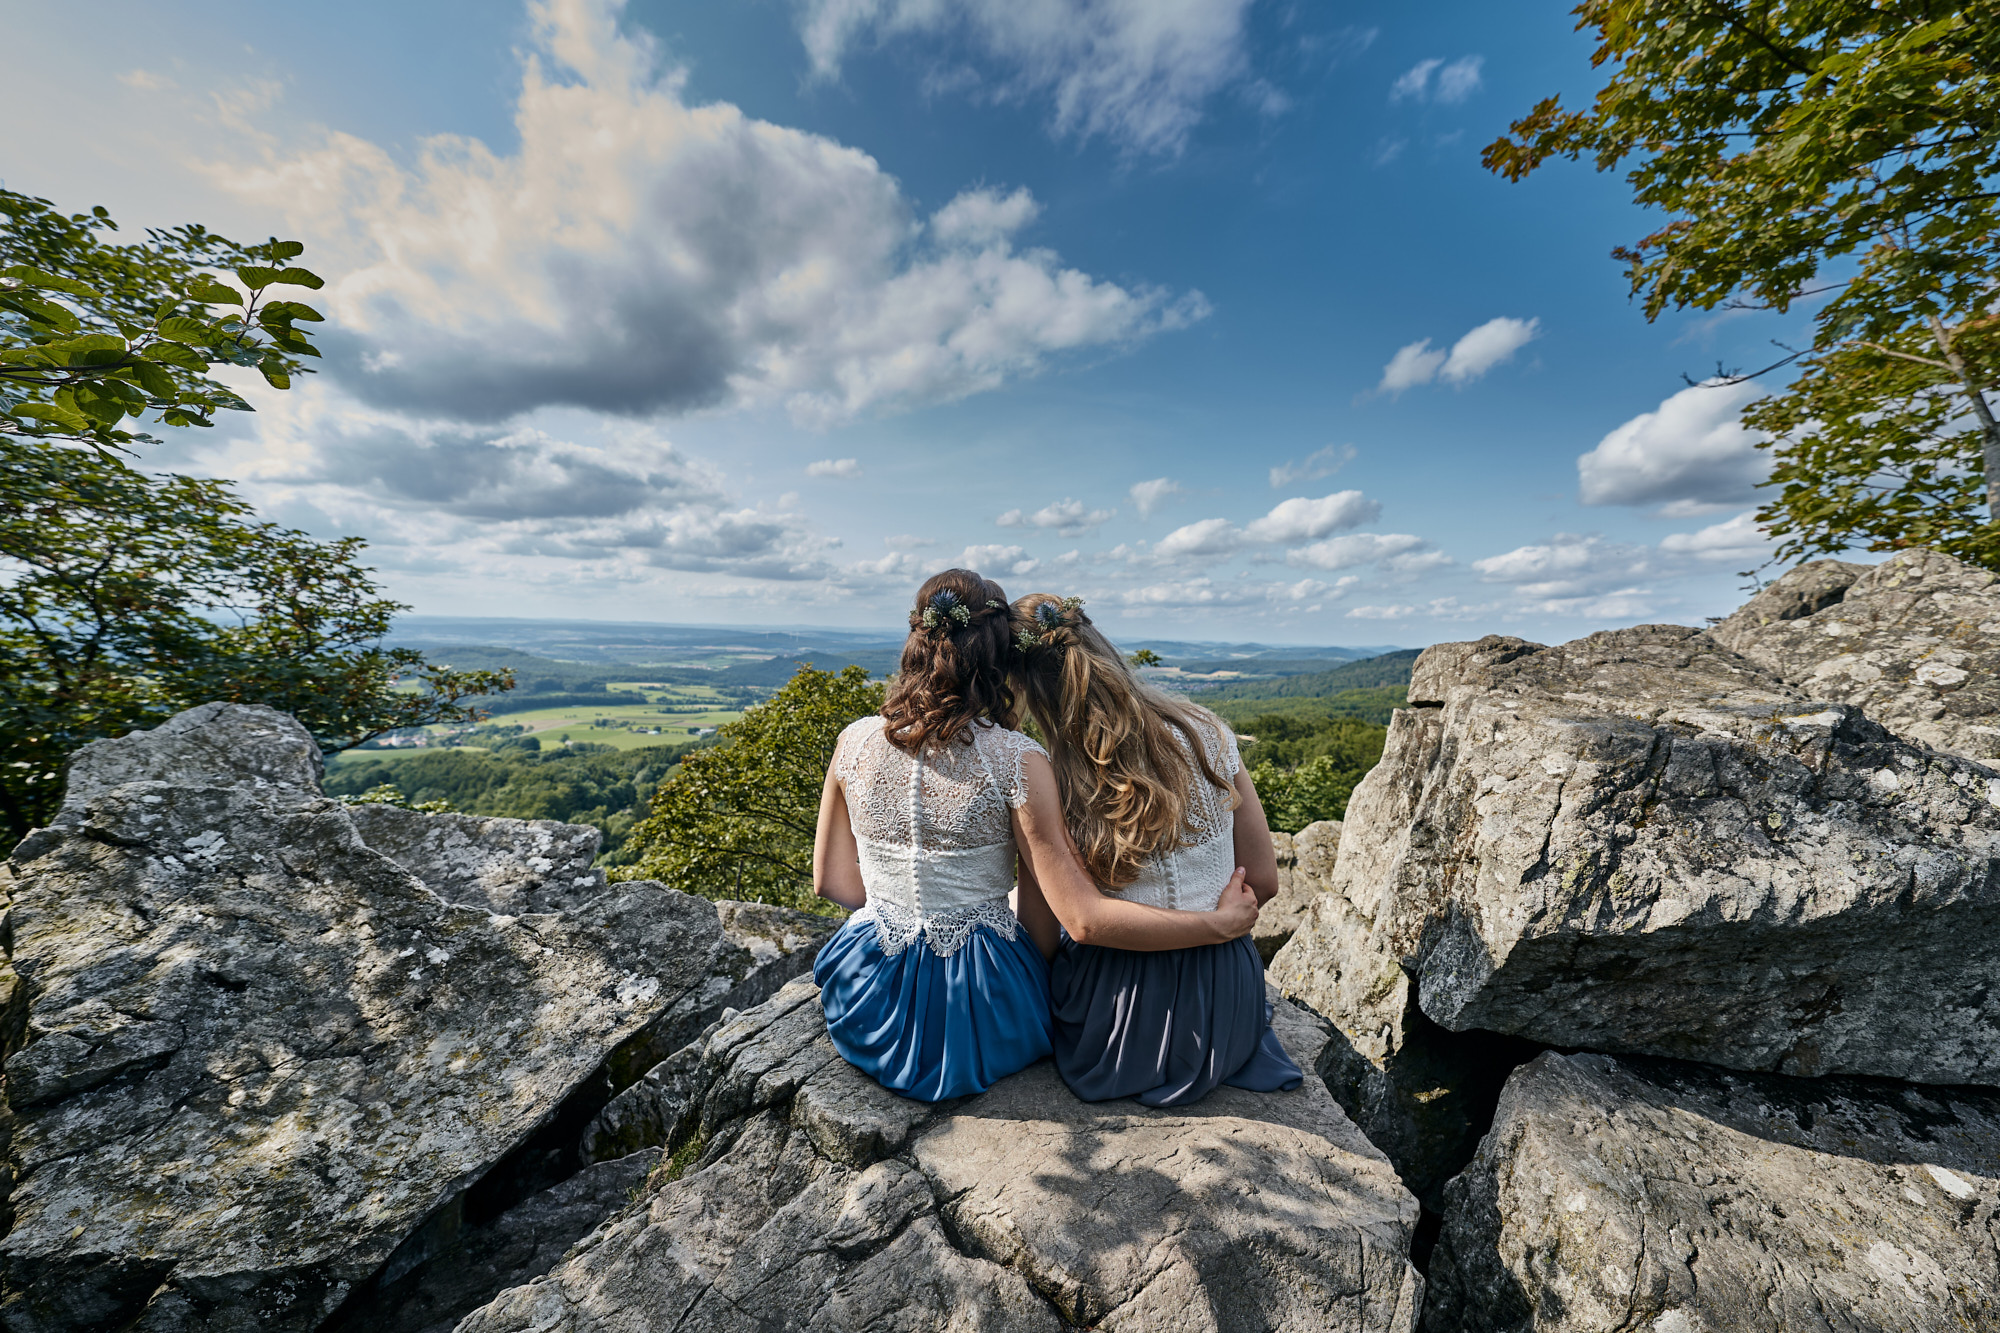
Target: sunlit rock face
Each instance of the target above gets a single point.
(1639, 1194)
(1643, 842)
(1305, 865)
(810, 1198)
(262, 1062)
(1914, 642)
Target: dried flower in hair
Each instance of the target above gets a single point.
(945, 608)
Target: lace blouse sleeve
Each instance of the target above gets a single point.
(1008, 773)
(847, 750)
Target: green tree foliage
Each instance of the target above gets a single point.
(93, 333)
(1800, 147)
(737, 821)
(581, 783)
(1306, 767)
(126, 597)
(1145, 657)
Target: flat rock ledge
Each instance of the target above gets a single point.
(261, 1064)
(1640, 842)
(803, 1196)
(1648, 1196)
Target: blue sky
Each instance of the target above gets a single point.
(759, 312)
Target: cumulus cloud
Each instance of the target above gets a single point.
(1735, 539)
(1315, 466)
(1300, 519)
(1208, 536)
(834, 467)
(1149, 496)
(1067, 518)
(994, 559)
(637, 254)
(1360, 548)
(486, 474)
(1690, 455)
(1137, 75)
(1567, 565)
(1479, 351)
(1435, 81)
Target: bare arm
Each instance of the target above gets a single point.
(1253, 840)
(1032, 907)
(836, 856)
(1094, 917)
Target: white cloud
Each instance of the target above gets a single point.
(1413, 364)
(1208, 536)
(1361, 548)
(1400, 612)
(1487, 346)
(1735, 539)
(1150, 496)
(834, 467)
(1689, 455)
(1067, 518)
(1300, 519)
(1319, 464)
(637, 254)
(981, 217)
(992, 559)
(1567, 565)
(1479, 351)
(1137, 74)
(1434, 81)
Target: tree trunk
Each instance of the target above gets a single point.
(1989, 429)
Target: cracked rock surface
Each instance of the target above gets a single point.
(1645, 1196)
(1913, 641)
(263, 1062)
(1641, 842)
(813, 1199)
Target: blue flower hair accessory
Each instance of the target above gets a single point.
(1047, 618)
(947, 611)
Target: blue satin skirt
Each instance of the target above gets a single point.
(1164, 1028)
(930, 1027)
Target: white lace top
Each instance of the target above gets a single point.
(1192, 878)
(935, 832)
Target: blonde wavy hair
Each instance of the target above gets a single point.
(1126, 755)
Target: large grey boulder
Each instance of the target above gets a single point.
(1305, 865)
(1639, 842)
(1641, 1196)
(1914, 642)
(508, 866)
(813, 1199)
(263, 1064)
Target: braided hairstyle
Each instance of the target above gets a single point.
(954, 668)
(1126, 755)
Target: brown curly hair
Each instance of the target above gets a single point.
(954, 668)
(1126, 755)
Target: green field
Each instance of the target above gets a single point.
(672, 713)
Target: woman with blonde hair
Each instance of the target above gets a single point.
(1156, 798)
(932, 987)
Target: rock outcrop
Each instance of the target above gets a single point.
(1643, 1196)
(813, 1199)
(1914, 642)
(507, 866)
(1305, 865)
(1639, 842)
(263, 1064)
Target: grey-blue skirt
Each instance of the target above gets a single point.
(1164, 1027)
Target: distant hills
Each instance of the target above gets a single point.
(1391, 668)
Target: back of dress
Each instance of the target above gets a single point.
(1192, 877)
(935, 831)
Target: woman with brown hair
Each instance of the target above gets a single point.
(1157, 800)
(931, 986)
